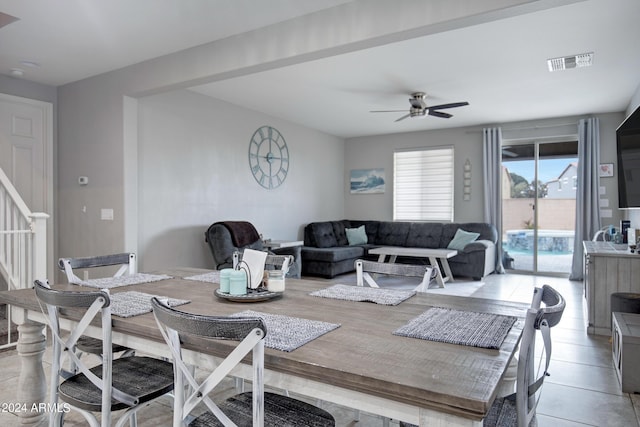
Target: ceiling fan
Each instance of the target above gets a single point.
(419, 108)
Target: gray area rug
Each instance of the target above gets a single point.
(483, 330)
(364, 294)
(132, 303)
(287, 333)
(116, 282)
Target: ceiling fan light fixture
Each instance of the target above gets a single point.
(569, 62)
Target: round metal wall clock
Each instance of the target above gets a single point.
(268, 157)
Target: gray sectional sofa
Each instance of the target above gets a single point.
(327, 252)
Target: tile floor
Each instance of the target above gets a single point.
(581, 391)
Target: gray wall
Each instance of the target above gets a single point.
(193, 170)
(179, 164)
(26, 89)
(377, 151)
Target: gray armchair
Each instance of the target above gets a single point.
(226, 237)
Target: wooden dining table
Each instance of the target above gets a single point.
(361, 364)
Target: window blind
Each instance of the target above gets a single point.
(423, 184)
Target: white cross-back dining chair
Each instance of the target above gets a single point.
(256, 407)
(127, 383)
(519, 408)
(365, 269)
(127, 265)
(272, 262)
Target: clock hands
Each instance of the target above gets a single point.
(270, 157)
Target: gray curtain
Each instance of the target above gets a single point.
(587, 194)
(492, 180)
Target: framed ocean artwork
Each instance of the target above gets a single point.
(367, 181)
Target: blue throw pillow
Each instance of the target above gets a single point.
(356, 236)
(462, 239)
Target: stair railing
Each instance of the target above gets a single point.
(23, 246)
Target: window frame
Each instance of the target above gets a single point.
(405, 207)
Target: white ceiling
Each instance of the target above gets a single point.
(498, 67)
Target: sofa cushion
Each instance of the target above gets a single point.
(356, 236)
(461, 239)
(392, 233)
(339, 253)
(424, 235)
(323, 234)
(339, 228)
(370, 227)
(487, 231)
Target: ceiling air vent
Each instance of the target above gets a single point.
(568, 62)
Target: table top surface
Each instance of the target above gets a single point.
(362, 354)
(282, 243)
(420, 252)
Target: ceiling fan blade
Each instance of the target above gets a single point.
(388, 111)
(440, 114)
(452, 105)
(403, 117)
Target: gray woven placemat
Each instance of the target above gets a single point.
(459, 327)
(115, 282)
(132, 303)
(288, 333)
(364, 294)
(212, 277)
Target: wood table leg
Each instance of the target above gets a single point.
(32, 384)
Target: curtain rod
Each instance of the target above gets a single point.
(528, 127)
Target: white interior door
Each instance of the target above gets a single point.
(26, 150)
(22, 149)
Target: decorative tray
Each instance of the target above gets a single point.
(253, 295)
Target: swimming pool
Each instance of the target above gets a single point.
(552, 241)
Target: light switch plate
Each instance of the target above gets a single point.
(106, 214)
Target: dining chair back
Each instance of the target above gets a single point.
(255, 408)
(365, 269)
(272, 262)
(127, 263)
(126, 383)
(519, 408)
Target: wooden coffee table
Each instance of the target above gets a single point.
(433, 255)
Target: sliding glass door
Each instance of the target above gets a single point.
(538, 206)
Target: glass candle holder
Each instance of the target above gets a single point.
(275, 281)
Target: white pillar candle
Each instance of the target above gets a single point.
(276, 281)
